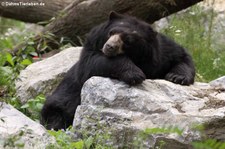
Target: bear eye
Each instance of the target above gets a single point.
(115, 31)
(129, 39)
(111, 33)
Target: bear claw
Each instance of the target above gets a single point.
(133, 78)
(177, 78)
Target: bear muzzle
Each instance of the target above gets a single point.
(113, 46)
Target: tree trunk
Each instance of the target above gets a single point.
(82, 15)
(43, 10)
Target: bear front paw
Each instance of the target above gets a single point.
(178, 79)
(133, 77)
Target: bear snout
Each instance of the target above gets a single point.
(110, 50)
(113, 46)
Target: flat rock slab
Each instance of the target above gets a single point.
(121, 110)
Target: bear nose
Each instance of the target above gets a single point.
(111, 47)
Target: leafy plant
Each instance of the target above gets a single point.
(98, 138)
(11, 65)
(33, 107)
(64, 140)
(9, 70)
(208, 144)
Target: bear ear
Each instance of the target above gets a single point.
(114, 15)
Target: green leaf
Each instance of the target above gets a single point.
(39, 105)
(30, 43)
(24, 106)
(6, 70)
(79, 145)
(33, 53)
(89, 142)
(26, 62)
(29, 49)
(2, 59)
(9, 59)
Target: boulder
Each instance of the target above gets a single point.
(19, 131)
(42, 77)
(112, 107)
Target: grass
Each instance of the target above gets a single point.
(189, 31)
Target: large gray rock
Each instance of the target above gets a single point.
(42, 77)
(17, 130)
(113, 107)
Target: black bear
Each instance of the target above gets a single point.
(122, 48)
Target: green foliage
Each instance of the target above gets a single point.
(64, 140)
(81, 139)
(10, 67)
(101, 139)
(208, 144)
(163, 130)
(203, 144)
(12, 64)
(33, 107)
(12, 32)
(189, 30)
(14, 102)
(5, 73)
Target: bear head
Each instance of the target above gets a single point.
(130, 36)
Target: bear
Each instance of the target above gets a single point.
(123, 48)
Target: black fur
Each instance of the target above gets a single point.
(147, 54)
